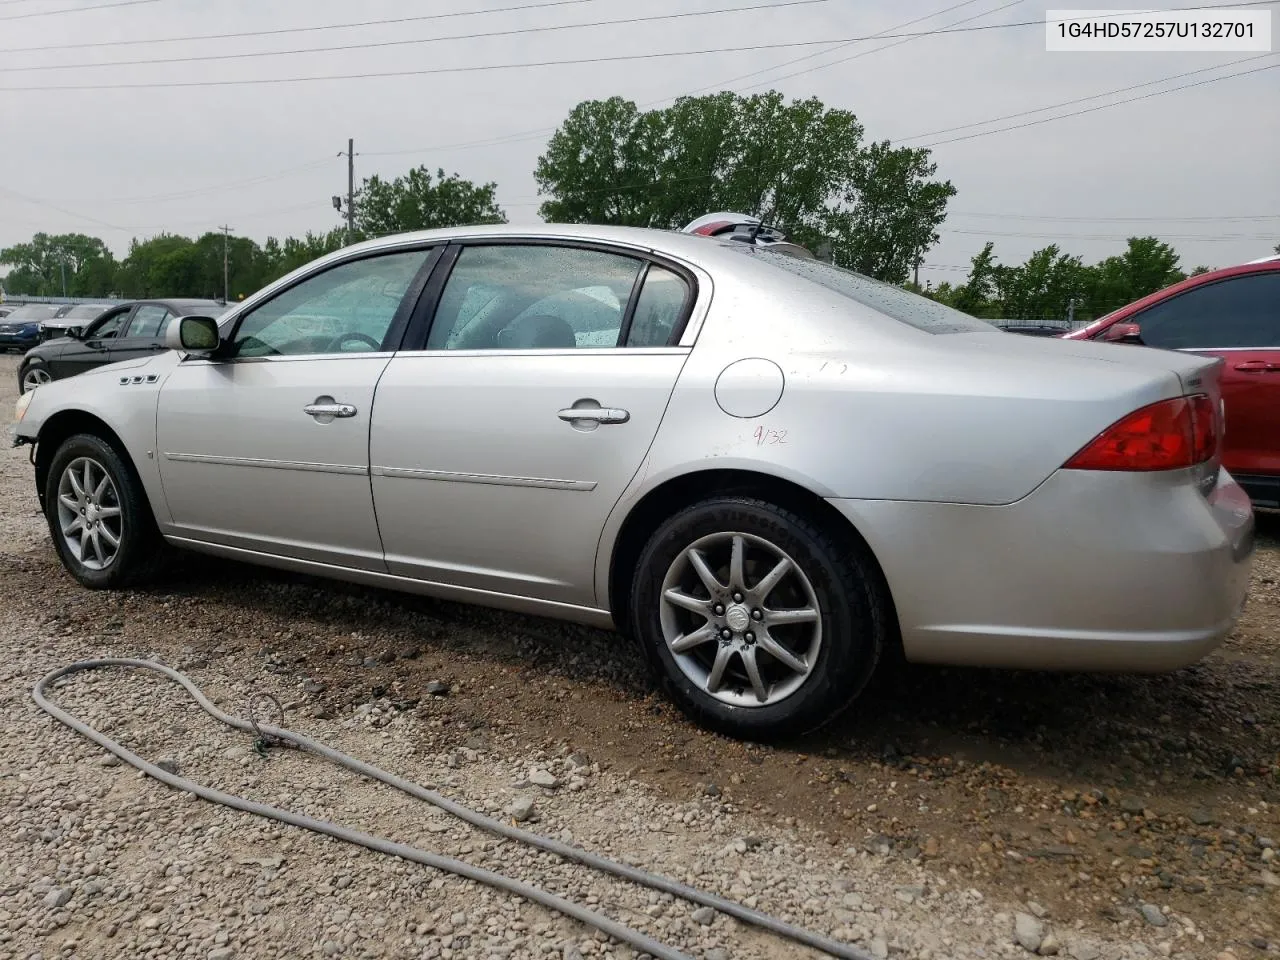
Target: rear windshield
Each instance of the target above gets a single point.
(894, 302)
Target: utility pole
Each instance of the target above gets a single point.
(1071, 313)
(226, 287)
(62, 262)
(350, 154)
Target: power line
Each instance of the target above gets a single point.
(197, 191)
(544, 131)
(1113, 219)
(253, 215)
(70, 213)
(485, 67)
(101, 6)
(392, 21)
(381, 44)
(820, 53)
(1067, 103)
(285, 30)
(855, 56)
(1117, 103)
(1110, 236)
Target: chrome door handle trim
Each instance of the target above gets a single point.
(594, 414)
(329, 410)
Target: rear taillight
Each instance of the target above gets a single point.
(1163, 436)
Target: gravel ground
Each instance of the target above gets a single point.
(954, 814)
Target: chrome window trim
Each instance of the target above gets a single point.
(553, 352)
(282, 358)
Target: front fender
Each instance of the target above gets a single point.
(117, 400)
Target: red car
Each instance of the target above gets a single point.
(1232, 313)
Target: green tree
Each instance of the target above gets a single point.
(600, 165)
(1040, 289)
(152, 266)
(799, 166)
(414, 202)
(975, 295)
(1147, 265)
(40, 267)
(282, 258)
(893, 212)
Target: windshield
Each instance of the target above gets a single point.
(85, 311)
(894, 302)
(29, 312)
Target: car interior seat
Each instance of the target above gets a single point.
(539, 331)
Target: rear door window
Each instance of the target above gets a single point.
(534, 297)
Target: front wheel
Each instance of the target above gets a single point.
(34, 373)
(98, 515)
(757, 620)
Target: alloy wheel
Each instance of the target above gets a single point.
(741, 619)
(89, 514)
(33, 377)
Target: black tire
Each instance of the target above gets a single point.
(852, 598)
(141, 548)
(24, 367)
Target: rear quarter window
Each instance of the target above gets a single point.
(910, 308)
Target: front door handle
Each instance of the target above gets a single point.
(1258, 366)
(594, 414)
(326, 409)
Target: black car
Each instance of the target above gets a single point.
(20, 328)
(72, 315)
(125, 331)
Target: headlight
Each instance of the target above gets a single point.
(20, 408)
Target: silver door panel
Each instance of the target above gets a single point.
(478, 480)
(244, 464)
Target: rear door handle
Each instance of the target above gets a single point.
(1257, 366)
(594, 414)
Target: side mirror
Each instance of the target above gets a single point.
(197, 335)
(1123, 333)
(73, 332)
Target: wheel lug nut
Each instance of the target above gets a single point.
(726, 634)
(719, 608)
(737, 598)
(757, 614)
(750, 637)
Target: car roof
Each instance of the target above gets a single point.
(690, 246)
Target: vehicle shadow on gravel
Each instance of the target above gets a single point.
(1197, 724)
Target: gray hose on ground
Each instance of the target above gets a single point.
(636, 939)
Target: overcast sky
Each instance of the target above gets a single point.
(133, 162)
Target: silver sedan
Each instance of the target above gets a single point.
(767, 470)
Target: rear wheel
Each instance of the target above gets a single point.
(99, 517)
(758, 622)
(33, 374)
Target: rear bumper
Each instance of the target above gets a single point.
(10, 341)
(1092, 571)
